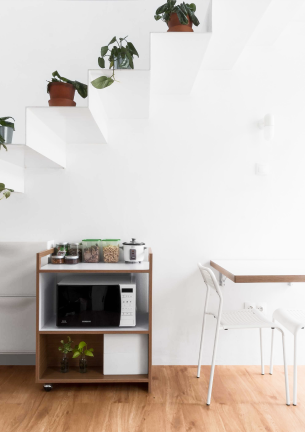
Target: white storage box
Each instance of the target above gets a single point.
(125, 354)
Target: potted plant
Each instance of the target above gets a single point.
(65, 349)
(179, 18)
(82, 350)
(5, 191)
(120, 56)
(6, 131)
(62, 90)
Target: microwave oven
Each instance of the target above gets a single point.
(95, 303)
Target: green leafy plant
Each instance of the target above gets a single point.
(122, 52)
(82, 349)
(82, 89)
(6, 193)
(5, 123)
(66, 346)
(164, 12)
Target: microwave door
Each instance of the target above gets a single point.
(106, 306)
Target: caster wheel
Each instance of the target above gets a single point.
(47, 387)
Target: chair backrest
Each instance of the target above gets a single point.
(210, 279)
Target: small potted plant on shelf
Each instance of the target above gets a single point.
(6, 131)
(62, 90)
(179, 18)
(120, 56)
(82, 350)
(6, 193)
(65, 349)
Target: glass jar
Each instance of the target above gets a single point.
(71, 259)
(61, 248)
(92, 250)
(64, 364)
(111, 250)
(82, 364)
(55, 259)
(76, 249)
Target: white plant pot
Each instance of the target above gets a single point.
(7, 134)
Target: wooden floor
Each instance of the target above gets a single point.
(242, 400)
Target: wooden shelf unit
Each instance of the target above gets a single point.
(47, 338)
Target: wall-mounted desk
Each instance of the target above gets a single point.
(260, 271)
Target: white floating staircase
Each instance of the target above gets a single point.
(175, 60)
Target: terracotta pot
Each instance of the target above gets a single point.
(61, 94)
(174, 25)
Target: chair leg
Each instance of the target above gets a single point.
(213, 363)
(295, 371)
(262, 352)
(271, 354)
(201, 346)
(285, 370)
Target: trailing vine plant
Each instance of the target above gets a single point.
(122, 53)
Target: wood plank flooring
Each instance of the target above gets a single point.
(243, 401)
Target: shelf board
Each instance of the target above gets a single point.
(120, 267)
(24, 156)
(126, 99)
(50, 129)
(142, 327)
(94, 374)
(175, 60)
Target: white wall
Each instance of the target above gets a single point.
(195, 197)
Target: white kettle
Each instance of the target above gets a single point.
(134, 252)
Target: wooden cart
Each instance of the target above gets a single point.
(48, 335)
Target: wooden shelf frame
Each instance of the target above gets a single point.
(48, 373)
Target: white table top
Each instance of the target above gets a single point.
(261, 271)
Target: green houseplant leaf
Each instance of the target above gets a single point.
(112, 40)
(162, 9)
(192, 6)
(6, 192)
(101, 62)
(192, 15)
(81, 349)
(132, 49)
(102, 82)
(81, 88)
(104, 50)
(181, 15)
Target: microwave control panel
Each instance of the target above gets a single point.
(128, 306)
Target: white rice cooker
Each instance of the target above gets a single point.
(134, 252)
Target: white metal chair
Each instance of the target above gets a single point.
(239, 319)
(293, 320)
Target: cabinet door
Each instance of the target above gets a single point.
(17, 325)
(18, 267)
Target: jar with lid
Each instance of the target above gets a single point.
(57, 259)
(111, 250)
(71, 259)
(76, 249)
(61, 249)
(92, 250)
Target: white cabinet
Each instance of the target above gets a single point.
(125, 354)
(17, 325)
(17, 295)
